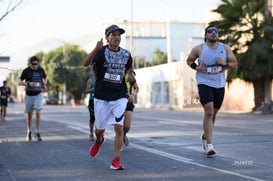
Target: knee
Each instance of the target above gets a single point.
(209, 110)
(119, 129)
(209, 113)
(99, 132)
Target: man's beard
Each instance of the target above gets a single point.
(212, 40)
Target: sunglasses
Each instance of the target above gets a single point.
(34, 63)
(212, 30)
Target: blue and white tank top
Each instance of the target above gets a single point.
(215, 74)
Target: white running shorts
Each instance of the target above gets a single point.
(109, 112)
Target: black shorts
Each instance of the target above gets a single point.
(130, 106)
(4, 102)
(210, 94)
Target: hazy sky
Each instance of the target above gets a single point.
(38, 20)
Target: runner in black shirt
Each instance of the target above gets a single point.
(34, 78)
(4, 95)
(111, 63)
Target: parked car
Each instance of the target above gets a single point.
(12, 99)
(51, 101)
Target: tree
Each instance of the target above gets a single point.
(10, 6)
(65, 71)
(12, 80)
(245, 28)
(159, 58)
(6, 7)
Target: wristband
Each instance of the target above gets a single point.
(133, 72)
(193, 65)
(226, 66)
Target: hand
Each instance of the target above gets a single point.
(99, 44)
(31, 84)
(201, 68)
(220, 61)
(131, 99)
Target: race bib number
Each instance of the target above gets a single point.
(37, 84)
(214, 69)
(112, 77)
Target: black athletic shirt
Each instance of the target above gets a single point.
(30, 75)
(110, 68)
(4, 92)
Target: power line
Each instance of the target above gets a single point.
(5, 68)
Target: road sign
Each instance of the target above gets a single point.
(4, 58)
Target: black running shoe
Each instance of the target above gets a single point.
(38, 136)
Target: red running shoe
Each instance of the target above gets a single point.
(95, 149)
(116, 165)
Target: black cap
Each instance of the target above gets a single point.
(112, 28)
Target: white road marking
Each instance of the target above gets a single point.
(190, 161)
(84, 129)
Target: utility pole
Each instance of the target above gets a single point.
(169, 55)
(168, 38)
(267, 81)
(132, 32)
(64, 95)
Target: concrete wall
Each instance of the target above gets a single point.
(173, 86)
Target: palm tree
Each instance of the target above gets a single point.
(244, 26)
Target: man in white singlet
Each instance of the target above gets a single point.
(214, 58)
